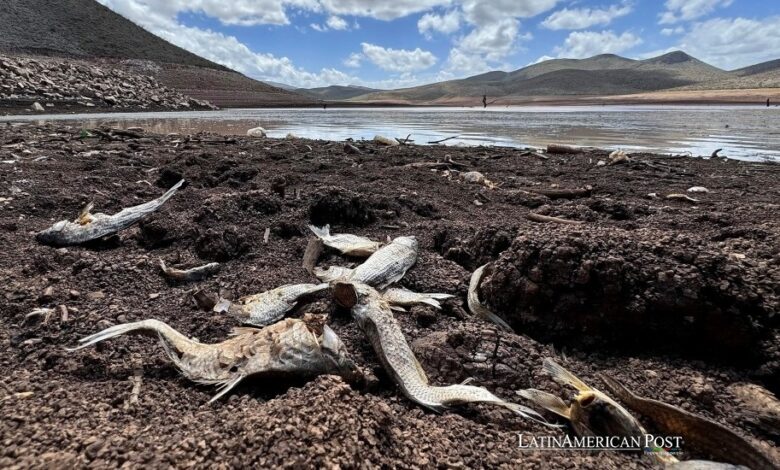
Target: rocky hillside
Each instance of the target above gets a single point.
(337, 92)
(88, 31)
(59, 85)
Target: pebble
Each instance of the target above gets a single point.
(97, 295)
(698, 189)
(256, 132)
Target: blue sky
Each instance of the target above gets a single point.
(401, 43)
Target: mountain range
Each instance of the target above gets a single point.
(86, 30)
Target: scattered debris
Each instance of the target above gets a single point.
(698, 189)
(547, 218)
(681, 197)
(256, 132)
(382, 140)
(617, 157)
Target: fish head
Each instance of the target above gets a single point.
(53, 235)
(595, 414)
(409, 242)
(337, 356)
(348, 294)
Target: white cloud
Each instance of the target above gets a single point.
(583, 44)
(335, 23)
(224, 49)
(338, 23)
(543, 58)
(354, 60)
(581, 18)
(463, 63)
(686, 10)
(485, 12)
(734, 42)
(494, 41)
(380, 9)
(672, 31)
(446, 24)
(398, 60)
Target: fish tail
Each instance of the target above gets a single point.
(440, 296)
(168, 194)
(429, 301)
(498, 321)
(320, 232)
(528, 413)
(548, 401)
(226, 386)
(562, 375)
(171, 336)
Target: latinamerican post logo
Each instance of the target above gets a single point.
(648, 443)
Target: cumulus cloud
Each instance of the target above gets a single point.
(380, 9)
(685, 10)
(224, 49)
(583, 44)
(354, 60)
(493, 41)
(333, 22)
(734, 42)
(581, 18)
(398, 60)
(485, 12)
(672, 31)
(446, 24)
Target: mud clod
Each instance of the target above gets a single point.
(338, 206)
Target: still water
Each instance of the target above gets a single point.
(744, 132)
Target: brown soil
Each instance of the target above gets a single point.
(623, 293)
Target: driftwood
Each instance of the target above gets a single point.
(563, 193)
(312, 254)
(682, 197)
(715, 153)
(557, 148)
(443, 140)
(447, 163)
(546, 218)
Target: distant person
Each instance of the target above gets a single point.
(324, 105)
(767, 102)
(484, 101)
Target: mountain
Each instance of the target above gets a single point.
(605, 74)
(86, 30)
(771, 66)
(337, 92)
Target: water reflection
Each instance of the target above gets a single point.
(743, 132)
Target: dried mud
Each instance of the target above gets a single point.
(678, 301)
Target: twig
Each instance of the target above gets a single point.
(546, 218)
(136, 380)
(443, 140)
(266, 235)
(715, 153)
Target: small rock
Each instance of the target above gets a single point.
(74, 294)
(473, 177)
(601, 163)
(154, 296)
(47, 295)
(97, 295)
(37, 107)
(351, 149)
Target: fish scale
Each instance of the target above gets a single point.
(388, 265)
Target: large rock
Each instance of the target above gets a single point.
(642, 289)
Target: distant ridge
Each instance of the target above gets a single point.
(336, 92)
(605, 74)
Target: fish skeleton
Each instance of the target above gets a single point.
(388, 265)
(192, 274)
(399, 298)
(270, 306)
(90, 226)
(476, 307)
(698, 432)
(290, 347)
(373, 315)
(346, 244)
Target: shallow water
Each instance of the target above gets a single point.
(744, 132)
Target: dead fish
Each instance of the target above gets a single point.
(333, 273)
(399, 298)
(761, 404)
(591, 412)
(389, 141)
(267, 307)
(192, 274)
(703, 465)
(476, 307)
(90, 226)
(293, 347)
(346, 244)
(698, 432)
(373, 316)
(682, 197)
(389, 264)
